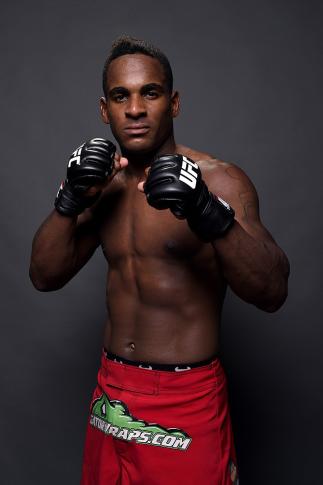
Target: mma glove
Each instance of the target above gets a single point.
(89, 165)
(175, 182)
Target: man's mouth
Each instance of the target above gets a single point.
(137, 129)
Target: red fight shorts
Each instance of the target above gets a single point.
(157, 427)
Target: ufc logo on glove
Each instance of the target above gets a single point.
(76, 156)
(188, 176)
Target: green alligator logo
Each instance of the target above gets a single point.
(113, 418)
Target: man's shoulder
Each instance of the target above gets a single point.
(214, 165)
(224, 178)
(215, 171)
(195, 155)
(215, 168)
(206, 161)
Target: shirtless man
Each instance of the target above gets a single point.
(175, 231)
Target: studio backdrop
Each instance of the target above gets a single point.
(250, 79)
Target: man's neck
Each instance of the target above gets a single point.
(138, 162)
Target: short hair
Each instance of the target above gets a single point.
(130, 45)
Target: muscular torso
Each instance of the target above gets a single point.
(164, 288)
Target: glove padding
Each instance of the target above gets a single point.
(89, 165)
(175, 182)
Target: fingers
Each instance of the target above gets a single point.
(123, 162)
(142, 183)
(119, 164)
(141, 186)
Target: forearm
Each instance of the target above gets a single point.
(53, 252)
(256, 270)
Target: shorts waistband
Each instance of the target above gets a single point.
(153, 366)
(151, 381)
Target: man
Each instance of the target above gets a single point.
(176, 227)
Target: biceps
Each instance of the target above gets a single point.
(87, 239)
(234, 186)
(85, 248)
(245, 201)
(247, 214)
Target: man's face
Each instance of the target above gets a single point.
(139, 107)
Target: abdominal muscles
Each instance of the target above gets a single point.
(163, 309)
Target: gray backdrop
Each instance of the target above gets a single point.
(250, 76)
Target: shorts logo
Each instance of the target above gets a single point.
(188, 175)
(113, 418)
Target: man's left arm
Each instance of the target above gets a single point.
(255, 267)
(253, 264)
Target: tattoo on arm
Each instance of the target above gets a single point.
(250, 206)
(233, 173)
(248, 198)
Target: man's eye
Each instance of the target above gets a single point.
(119, 98)
(151, 94)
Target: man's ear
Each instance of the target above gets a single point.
(104, 111)
(175, 103)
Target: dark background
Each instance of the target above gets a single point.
(250, 76)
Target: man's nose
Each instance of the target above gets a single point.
(135, 107)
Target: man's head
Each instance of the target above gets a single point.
(129, 45)
(139, 102)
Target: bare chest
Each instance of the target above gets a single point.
(131, 227)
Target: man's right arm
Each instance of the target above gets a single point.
(69, 236)
(61, 247)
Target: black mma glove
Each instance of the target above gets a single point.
(90, 164)
(175, 182)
